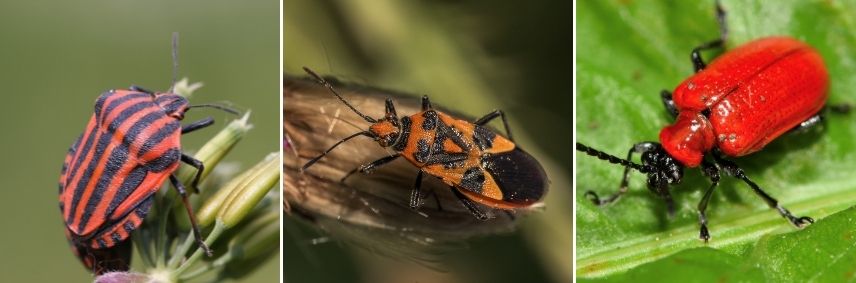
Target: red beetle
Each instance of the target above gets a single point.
(742, 101)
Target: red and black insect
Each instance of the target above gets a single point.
(130, 146)
(742, 101)
(480, 166)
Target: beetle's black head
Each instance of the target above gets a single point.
(173, 105)
(666, 171)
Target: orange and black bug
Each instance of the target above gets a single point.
(480, 166)
(130, 146)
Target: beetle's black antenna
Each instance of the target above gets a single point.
(174, 61)
(330, 87)
(613, 159)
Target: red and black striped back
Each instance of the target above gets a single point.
(129, 148)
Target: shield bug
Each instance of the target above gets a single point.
(479, 165)
(129, 148)
(743, 100)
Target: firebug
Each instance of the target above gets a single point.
(479, 165)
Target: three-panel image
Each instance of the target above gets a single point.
(427, 141)
(286, 141)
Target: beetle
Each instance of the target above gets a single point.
(130, 146)
(743, 100)
(479, 165)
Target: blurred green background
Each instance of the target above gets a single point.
(471, 57)
(56, 57)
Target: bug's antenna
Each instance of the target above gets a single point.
(613, 159)
(174, 61)
(330, 87)
(217, 106)
(306, 166)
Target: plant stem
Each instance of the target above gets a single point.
(219, 227)
(181, 251)
(160, 237)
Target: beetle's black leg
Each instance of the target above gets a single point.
(426, 104)
(818, 118)
(490, 116)
(670, 203)
(731, 169)
(469, 205)
(841, 108)
(712, 172)
(199, 169)
(808, 124)
(416, 194)
(668, 103)
(637, 148)
(698, 63)
(208, 121)
(369, 168)
(196, 234)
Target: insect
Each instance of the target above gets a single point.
(733, 107)
(480, 166)
(130, 146)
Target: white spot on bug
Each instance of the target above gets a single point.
(732, 137)
(721, 137)
(690, 86)
(694, 125)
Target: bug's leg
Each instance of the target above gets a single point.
(197, 125)
(668, 103)
(492, 115)
(470, 205)
(637, 148)
(390, 110)
(841, 108)
(698, 63)
(426, 104)
(808, 124)
(199, 169)
(369, 168)
(731, 168)
(196, 234)
(437, 200)
(712, 172)
(416, 194)
(818, 118)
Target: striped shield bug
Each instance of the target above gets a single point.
(129, 148)
(479, 165)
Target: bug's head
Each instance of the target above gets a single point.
(666, 169)
(387, 129)
(173, 105)
(662, 169)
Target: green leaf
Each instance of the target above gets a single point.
(693, 265)
(823, 252)
(627, 52)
